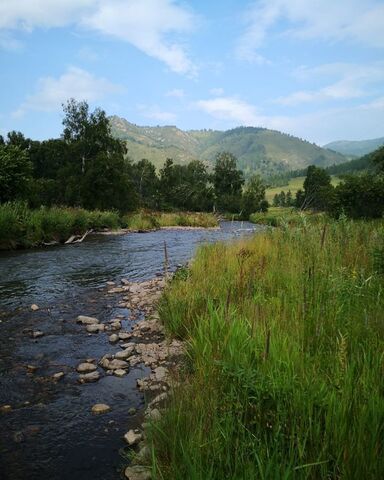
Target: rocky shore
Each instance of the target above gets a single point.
(145, 343)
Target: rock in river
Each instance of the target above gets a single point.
(120, 372)
(89, 377)
(95, 328)
(99, 408)
(86, 320)
(133, 437)
(137, 472)
(114, 338)
(116, 364)
(37, 334)
(34, 307)
(86, 367)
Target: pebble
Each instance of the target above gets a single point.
(37, 334)
(58, 375)
(119, 372)
(100, 408)
(95, 328)
(34, 307)
(113, 338)
(5, 408)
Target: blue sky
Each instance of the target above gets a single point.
(312, 68)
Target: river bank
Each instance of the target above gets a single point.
(21, 227)
(284, 345)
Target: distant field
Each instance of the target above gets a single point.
(294, 185)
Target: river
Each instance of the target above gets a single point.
(50, 432)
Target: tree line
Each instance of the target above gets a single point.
(87, 167)
(356, 196)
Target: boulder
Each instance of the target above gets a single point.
(119, 372)
(137, 472)
(113, 338)
(123, 354)
(117, 364)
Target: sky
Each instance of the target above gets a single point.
(311, 68)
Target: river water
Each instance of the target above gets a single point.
(50, 432)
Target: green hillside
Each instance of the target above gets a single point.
(258, 149)
(355, 148)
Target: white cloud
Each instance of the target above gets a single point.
(74, 83)
(229, 108)
(154, 112)
(355, 21)
(149, 25)
(217, 92)
(353, 82)
(176, 92)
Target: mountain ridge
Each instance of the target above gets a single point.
(258, 149)
(355, 148)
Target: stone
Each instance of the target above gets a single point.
(116, 325)
(124, 281)
(37, 334)
(124, 354)
(160, 374)
(116, 290)
(5, 408)
(34, 307)
(95, 328)
(125, 335)
(133, 437)
(132, 411)
(89, 377)
(100, 408)
(117, 364)
(119, 372)
(58, 376)
(137, 472)
(154, 415)
(113, 338)
(31, 368)
(111, 283)
(87, 320)
(86, 367)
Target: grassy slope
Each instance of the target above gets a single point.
(294, 185)
(284, 378)
(258, 149)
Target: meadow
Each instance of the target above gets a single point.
(283, 378)
(293, 185)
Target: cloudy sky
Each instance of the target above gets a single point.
(312, 68)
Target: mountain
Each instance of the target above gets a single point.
(355, 148)
(258, 149)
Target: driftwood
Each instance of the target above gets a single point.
(77, 238)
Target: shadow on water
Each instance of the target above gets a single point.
(50, 432)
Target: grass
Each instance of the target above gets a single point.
(284, 216)
(21, 227)
(284, 372)
(294, 185)
(152, 220)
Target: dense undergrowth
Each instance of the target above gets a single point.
(284, 374)
(22, 227)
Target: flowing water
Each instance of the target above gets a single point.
(50, 432)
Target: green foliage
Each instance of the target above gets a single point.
(284, 374)
(253, 198)
(317, 189)
(227, 182)
(359, 196)
(15, 172)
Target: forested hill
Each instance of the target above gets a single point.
(258, 149)
(355, 148)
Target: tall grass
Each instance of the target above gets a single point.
(23, 227)
(144, 220)
(282, 216)
(284, 377)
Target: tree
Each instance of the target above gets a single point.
(146, 183)
(318, 190)
(15, 173)
(378, 159)
(253, 196)
(228, 182)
